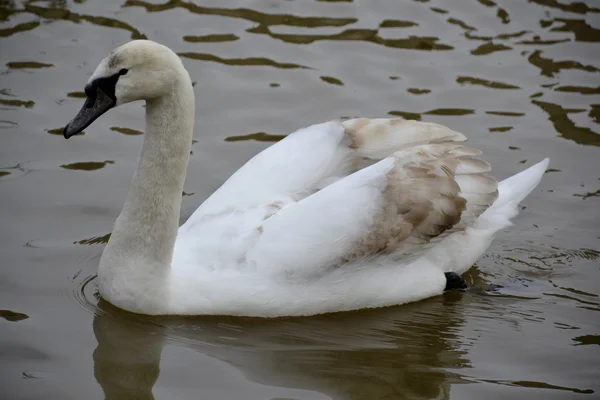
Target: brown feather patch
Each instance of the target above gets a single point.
(423, 200)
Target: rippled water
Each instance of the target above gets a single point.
(520, 78)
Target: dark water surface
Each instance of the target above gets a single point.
(520, 78)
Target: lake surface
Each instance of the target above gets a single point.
(520, 78)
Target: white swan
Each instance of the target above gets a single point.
(307, 226)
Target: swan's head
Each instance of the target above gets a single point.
(137, 70)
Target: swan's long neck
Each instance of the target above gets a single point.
(135, 266)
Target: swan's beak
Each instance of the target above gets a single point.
(96, 104)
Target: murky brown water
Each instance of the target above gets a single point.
(521, 79)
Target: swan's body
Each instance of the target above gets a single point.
(337, 216)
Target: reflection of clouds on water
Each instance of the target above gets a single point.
(399, 352)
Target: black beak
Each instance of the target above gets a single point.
(96, 104)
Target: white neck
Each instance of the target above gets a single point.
(135, 266)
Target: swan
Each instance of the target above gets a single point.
(338, 216)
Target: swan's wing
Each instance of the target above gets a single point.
(314, 157)
(289, 167)
(399, 206)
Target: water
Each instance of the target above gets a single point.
(521, 79)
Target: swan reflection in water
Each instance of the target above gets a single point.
(397, 352)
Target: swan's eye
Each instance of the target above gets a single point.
(123, 71)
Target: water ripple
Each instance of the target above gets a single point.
(66, 15)
(539, 385)
(484, 82)
(240, 62)
(17, 103)
(216, 38)
(548, 67)
(27, 65)
(244, 13)
(566, 128)
(23, 27)
(582, 31)
(575, 7)
(87, 165)
(364, 35)
(126, 131)
(86, 292)
(258, 136)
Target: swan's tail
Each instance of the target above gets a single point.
(511, 192)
